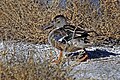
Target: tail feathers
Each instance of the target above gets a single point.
(92, 32)
(85, 33)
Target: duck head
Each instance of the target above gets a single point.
(57, 22)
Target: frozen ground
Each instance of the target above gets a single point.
(103, 62)
(103, 65)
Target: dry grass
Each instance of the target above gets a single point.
(33, 71)
(14, 66)
(22, 19)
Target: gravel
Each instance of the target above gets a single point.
(103, 62)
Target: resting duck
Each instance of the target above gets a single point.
(63, 35)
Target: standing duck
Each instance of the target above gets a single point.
(63, 35)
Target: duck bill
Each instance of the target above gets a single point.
(50, 25)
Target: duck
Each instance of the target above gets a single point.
(63, 36)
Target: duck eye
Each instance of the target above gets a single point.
(52, 21)
(58, 21)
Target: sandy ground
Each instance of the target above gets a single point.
(103, 62)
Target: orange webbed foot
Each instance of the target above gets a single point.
(83, 58)
(59, 58)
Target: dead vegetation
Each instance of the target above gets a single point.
(22, 20)
(29, 69)
(21, 61)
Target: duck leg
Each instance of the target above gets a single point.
(59, 58)
(83, 58)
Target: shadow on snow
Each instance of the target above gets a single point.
(100, 54)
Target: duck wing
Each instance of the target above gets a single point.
(74, 32)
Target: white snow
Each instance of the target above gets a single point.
(103, 62)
